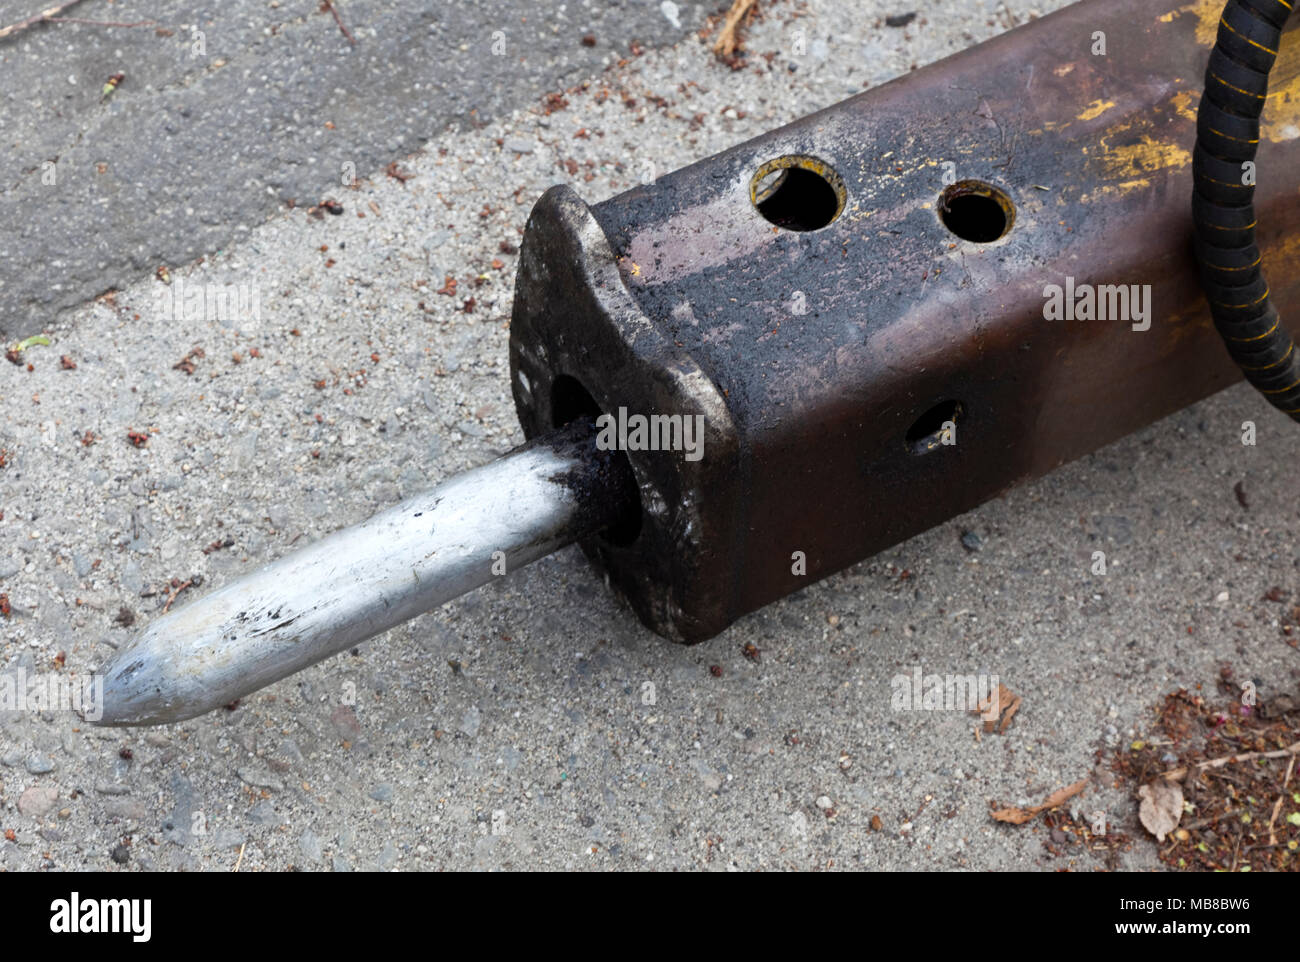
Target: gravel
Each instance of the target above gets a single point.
(38, 763)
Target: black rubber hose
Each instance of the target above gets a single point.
(1227, 136)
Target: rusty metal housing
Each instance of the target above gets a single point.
(895, 292)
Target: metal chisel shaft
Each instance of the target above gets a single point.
(362, 580)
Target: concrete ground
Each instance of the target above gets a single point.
(511, 729)
(219, 117)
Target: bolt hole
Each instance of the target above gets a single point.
(797, 192)
(935, 428)
(976, 211)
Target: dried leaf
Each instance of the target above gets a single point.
(1009, 714)
(1005, 703)
(1162, 807)
(1018, 816)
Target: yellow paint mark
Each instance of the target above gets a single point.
(1207, 13)
(1115, 190)
(1135, 161)
(1063, 69)
(1283, 256)
(1185, 324)
(1096, 109)
(1281, 120)
(1282, 108)
(1185, 104)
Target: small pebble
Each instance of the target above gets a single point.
(260, 778)
(37, 800)
(471, 721)
(309, 845)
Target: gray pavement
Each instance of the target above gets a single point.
(228, 111)
(514, 727)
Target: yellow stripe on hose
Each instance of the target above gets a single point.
(1240, 140)
(1224, 23)
(1224, 183)
(1247, 340)
(1238, 89)
(1248, 267)
(1283, 390)
(1251, 304)
(1250, 226)
(1265, 367)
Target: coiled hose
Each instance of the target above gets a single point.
(1227, 136)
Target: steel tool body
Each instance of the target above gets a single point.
(856, 308)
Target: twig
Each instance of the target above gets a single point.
(1272, 835)
(176, 589)
(239, 861)
(43, 15)
(1201, 823)
(339, 20)
(729, 39)
(1228, 759)
(1256, 848)
(1225, 775)
(1277, 807)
